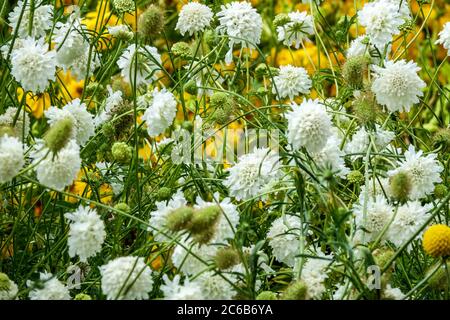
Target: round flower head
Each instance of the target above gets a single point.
(331, 157)
(160, 113)
(299, 27)
(69, 40)
(22, 125)
(252, 173)
(314, 274)
(77, 112)
(126, 278)
(33, 65)
(361, 140)
(194, 17)
(241, 23)
(42, 20)
(291, 81)
(409, 218)
(214, 287)
(444, 37)
(424, 172)
(436, 241)
(309, 126)
(359, 47)
(390, 293)
(8, 288)
(397, 86)
(148, 62)
(284, 238)
(52, 289)
(382, 20)
(56, 170)
(371, 218)
(113, 100)
(173, 290)
(86, 234)
(11, 158)
(193, 258)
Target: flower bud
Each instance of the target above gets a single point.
(354, 70)
(365, 108)
(6, 130)
(82, 296)
(163, 194)
(297, 290)
(121, 152)
(267, 295)
(191, 87)
(355, 176)
(442, 138)
(151, 22)
(440, 191)
(122, 206)
(205, 219)
(181, 49)
(281, 19)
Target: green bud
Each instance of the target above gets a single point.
(205, 219)
(210, 37)
(354, 70)
(365, 108)
(191, 87)
(179, 219)
(164, 193)
(123, 6)
(108, 130)
(226, 258)
(122, 206)
(440, 191)
(220, 100)
(221, 116)
(267, 295)
(281, 19)
(400, 186)
(182, 49)
(82, 296)
(297, 290)
(442, 138)
(59, 134)
(355, 176)
(5, 283)
(151, 22)
(121, 152)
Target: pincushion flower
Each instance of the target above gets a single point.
(314, 273)
(291, 81)
(161, 111)
(444, 37)
(194, 17)
(148, 62)
(299, 27)
(42, 19)
(173, 290)
(11, 158)
(241, 23)
(397, 86)
(52, 288)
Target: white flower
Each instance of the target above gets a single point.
(113, 100)
(397, 86)
(376, 187)
(52, 289)
(33, 65)
(59, 170)
(11, 158)
(358, 47)
(402, 7)
(214, 287)
(42, 20)
(285, 238)
(20, 128)
(86, 234)
(424, 172)
(444, 37)
(409, 218)
(314, 274)
(299, 27)
(331, 157)
(191, 258)
(8, 288)
(309, 126)
(390, 293)
(148, 62)
(194, 17)
(126, 278)
(227, 222)
(173, 290)
(119, 31)
(252, 173)
(378, 215)
(361, 140)
(241, 23)
(160, 112)
(75, 110)
(158, 217)
(291, 81)
(382, 20)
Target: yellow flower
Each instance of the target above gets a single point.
(436, 241)
(36, 103)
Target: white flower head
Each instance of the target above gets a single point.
(194, 17)
(424, 172)
(52, 289)
(361, 140)
(314, 274)
(252, 173)
(42, 20)
(390, 293)
(331, 157)
(285, 238)
(148, 62)
(215, 287)
(75, 110)
(299, 27)
(22, 125)
(126, 278)
(397, 86)
(173, 290)
(33, 65)
(241, 23)
(309, 126)
(291, 81)
(59, 170)
(191, 258)
(86, 234)
(113, 100)
(382, 20)
(444, 37)
(160, 112)
(11, 158)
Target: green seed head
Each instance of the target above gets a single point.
(226, 258)
(440, 191)
(122, 206)
(365, 108)
(400, 186)
(6, 130)
(439, 280)
(121, 152)
(355, 176)
(205, 219)
(123, 6)
(442, 138)
(297, 290)
(221, 116)
(220, 100)
(267, 295)
(151, 22)
(281, 19)
(82, 296)
(59, 134)
(354, 70)
(108, 130)
(163, 194)
(179, 219)
(182, 49)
